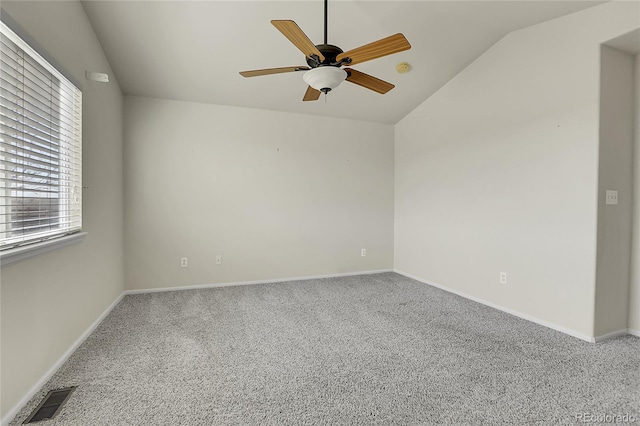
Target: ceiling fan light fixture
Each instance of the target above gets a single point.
(325, 78)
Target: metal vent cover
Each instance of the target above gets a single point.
(50, 405)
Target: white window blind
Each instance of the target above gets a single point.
(40, 147)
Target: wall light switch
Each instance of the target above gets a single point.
(612, 197)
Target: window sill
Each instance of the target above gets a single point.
(21, 253)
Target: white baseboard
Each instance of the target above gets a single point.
(46, 376)
(633, 332)
(501, 308)
(236, 283)
(611, 335)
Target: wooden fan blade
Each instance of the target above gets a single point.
(267, 71)
(368, 81)
(292, 31)
(386, 46)
(311, 94)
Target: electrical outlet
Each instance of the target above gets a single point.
(218, 260)
(611, 197)
(363, 252)
(503, 277)
(184, 262)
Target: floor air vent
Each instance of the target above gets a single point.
(50, 405)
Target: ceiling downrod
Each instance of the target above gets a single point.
(326, 8)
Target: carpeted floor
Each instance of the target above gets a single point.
(372, 349)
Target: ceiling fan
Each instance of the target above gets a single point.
(324, 71)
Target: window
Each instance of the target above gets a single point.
(40, 147)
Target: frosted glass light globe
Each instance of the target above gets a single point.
(325, 78)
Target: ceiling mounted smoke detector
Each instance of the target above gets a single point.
(403, 67)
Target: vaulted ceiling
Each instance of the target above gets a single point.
(193, 50)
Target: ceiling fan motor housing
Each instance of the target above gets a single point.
(329, 51)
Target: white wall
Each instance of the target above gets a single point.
(634, 291)
(50, 300)
(614, 173)
(498, 171)
(278, 195)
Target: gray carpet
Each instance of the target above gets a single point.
(373, 349)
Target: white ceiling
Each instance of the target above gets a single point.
(193, 50)
(629, 42)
